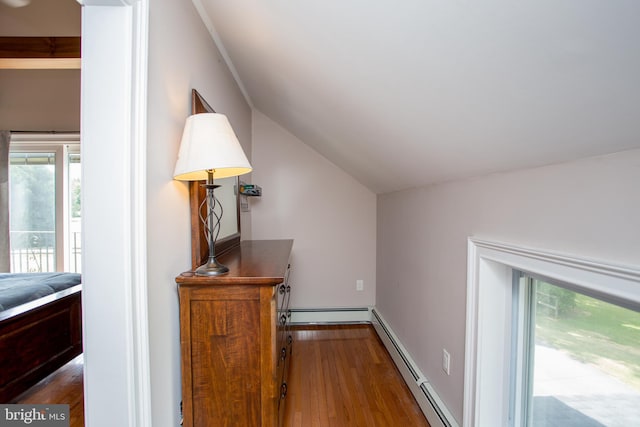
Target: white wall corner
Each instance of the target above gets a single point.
(223, 51)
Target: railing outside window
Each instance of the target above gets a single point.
(34, 252)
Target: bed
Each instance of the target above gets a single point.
(40, 327)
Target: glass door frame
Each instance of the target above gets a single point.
(61, 144)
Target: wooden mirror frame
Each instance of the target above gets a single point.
(197, 193)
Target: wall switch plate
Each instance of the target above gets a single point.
(359, 285)
(446, 361)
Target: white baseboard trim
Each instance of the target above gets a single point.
(330, 315)
(432, 406)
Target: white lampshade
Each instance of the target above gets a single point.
(209, 143)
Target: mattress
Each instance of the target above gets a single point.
(19, 288)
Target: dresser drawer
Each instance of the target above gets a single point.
(230, 326)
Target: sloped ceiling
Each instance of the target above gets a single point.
(407, 93)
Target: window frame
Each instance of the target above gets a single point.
(490, 317)
(525, 332)
(523, 340)
(61, 144)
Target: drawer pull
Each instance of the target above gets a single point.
(283, 390)
(283, 319)
(289, 339)
(283, 289)
(283, 353)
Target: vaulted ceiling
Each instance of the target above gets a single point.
(407, 93)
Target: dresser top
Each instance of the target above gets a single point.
(253, 262)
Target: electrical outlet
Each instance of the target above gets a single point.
(446, 361)
(359, 285)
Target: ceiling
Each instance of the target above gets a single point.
(406, 93)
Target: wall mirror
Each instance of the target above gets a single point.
(227, 196)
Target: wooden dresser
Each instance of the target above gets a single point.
(235, 339)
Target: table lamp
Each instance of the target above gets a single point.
(210, 149)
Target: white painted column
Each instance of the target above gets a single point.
(113, 132)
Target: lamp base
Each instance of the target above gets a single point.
(211, 268)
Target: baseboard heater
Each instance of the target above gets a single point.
(430, 403)
(311, 316)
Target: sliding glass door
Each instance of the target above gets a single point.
(44, 206)
(32, 212)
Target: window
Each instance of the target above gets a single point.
(580, 358)
(504, 320)
(44, 212)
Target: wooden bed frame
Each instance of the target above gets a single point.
(37, 338)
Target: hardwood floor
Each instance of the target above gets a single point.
(341, 375)
(62, 386)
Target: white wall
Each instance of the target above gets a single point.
(588, 208)
(182, 56)
(40, 100)
(330, 216)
